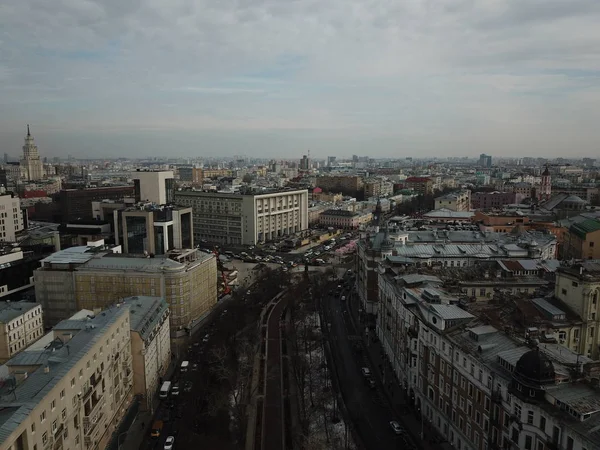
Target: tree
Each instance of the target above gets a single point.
(248, 178)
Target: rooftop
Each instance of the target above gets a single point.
(339, 213)
(17, 401)
(12, 310)
(582, 229)
(145, 313)
(447, 213)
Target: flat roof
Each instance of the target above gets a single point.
(145, 313)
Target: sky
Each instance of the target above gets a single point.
(274, 78)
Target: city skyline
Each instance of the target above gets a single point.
(190, 78)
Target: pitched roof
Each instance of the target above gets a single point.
(583, 228)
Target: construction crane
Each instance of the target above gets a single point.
(221, 268)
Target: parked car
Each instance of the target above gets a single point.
(169, 443)
(366, 371)
(396, 427)
(175, 390)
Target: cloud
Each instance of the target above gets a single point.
(446, 76)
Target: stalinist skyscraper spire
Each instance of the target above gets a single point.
(32, 167)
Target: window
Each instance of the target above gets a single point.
(63, 414)
(72, 382)
(43, 416)
(517, 411)
(54, 426)
(570, 443)
(53, 405)
(33, 428)
(543, 423)
(528, 442)
(45, 438)
(530, 417)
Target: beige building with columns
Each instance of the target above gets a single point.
(21, 324)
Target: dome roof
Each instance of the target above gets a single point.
(573, 199)
(534, 369)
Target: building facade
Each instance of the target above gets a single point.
(545, 189)
(11, 217)
(76, 204)
(343, 219)
(16, 271)
(454, 201)
(21, 324)
(32, 168)
(578, 287)
(246, 219)
(154, 186)
(72, 391)
(582, 241)
(477, 387)
(150, 346)
(153, 229)
(187, 279)
(492, 200)
(420, 185)
(347, 184)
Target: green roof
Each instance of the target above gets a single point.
(583, 228)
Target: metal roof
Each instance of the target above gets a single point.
(145, 313)
(451, 312)
(71, 255)
(12, 310)
(39, 383)
(548, 309)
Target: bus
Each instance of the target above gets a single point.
(164, 390)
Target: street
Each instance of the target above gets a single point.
(368, 409)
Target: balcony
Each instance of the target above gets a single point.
(413, 332)
(93, 416)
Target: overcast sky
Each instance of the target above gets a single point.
(273, 78)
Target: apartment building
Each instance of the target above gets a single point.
(16, 271)
(346, 184)
(73, 389)
(578, 287)
(246, 219)
(454, 201)
(378, 188)
(11, 217)
(69, 281)
(441, 249)
(421, 185)
(21, 324)
(150, 346)
(491, 200)
(198, 176)
(478, 387)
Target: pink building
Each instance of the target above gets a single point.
(490, 200)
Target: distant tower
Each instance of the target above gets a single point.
(546, 186)
(31, 162)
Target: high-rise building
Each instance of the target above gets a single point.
(485, 160)
(331, 161)
(81, 278)
(72, 388)
(11, 217)
(305, 163)
(32, 168)
(246, 219)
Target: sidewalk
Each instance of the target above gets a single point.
(397, 397)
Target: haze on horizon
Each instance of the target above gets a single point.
(270, 78)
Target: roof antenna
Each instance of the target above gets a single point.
(28, 133)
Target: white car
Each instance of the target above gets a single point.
(366, 371)
(205, 338)
(169, 443)
(175, 390)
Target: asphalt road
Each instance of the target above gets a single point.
(273, 432)
(367, 407)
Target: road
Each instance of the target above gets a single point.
(368, 408)
(273, 412)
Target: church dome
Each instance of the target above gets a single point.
(534, 370)
(573, 199)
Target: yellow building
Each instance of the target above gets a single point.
(583, 240)
(187, 279)
(579, 288)
(21, 325)
(72, 390)
(454, 201)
